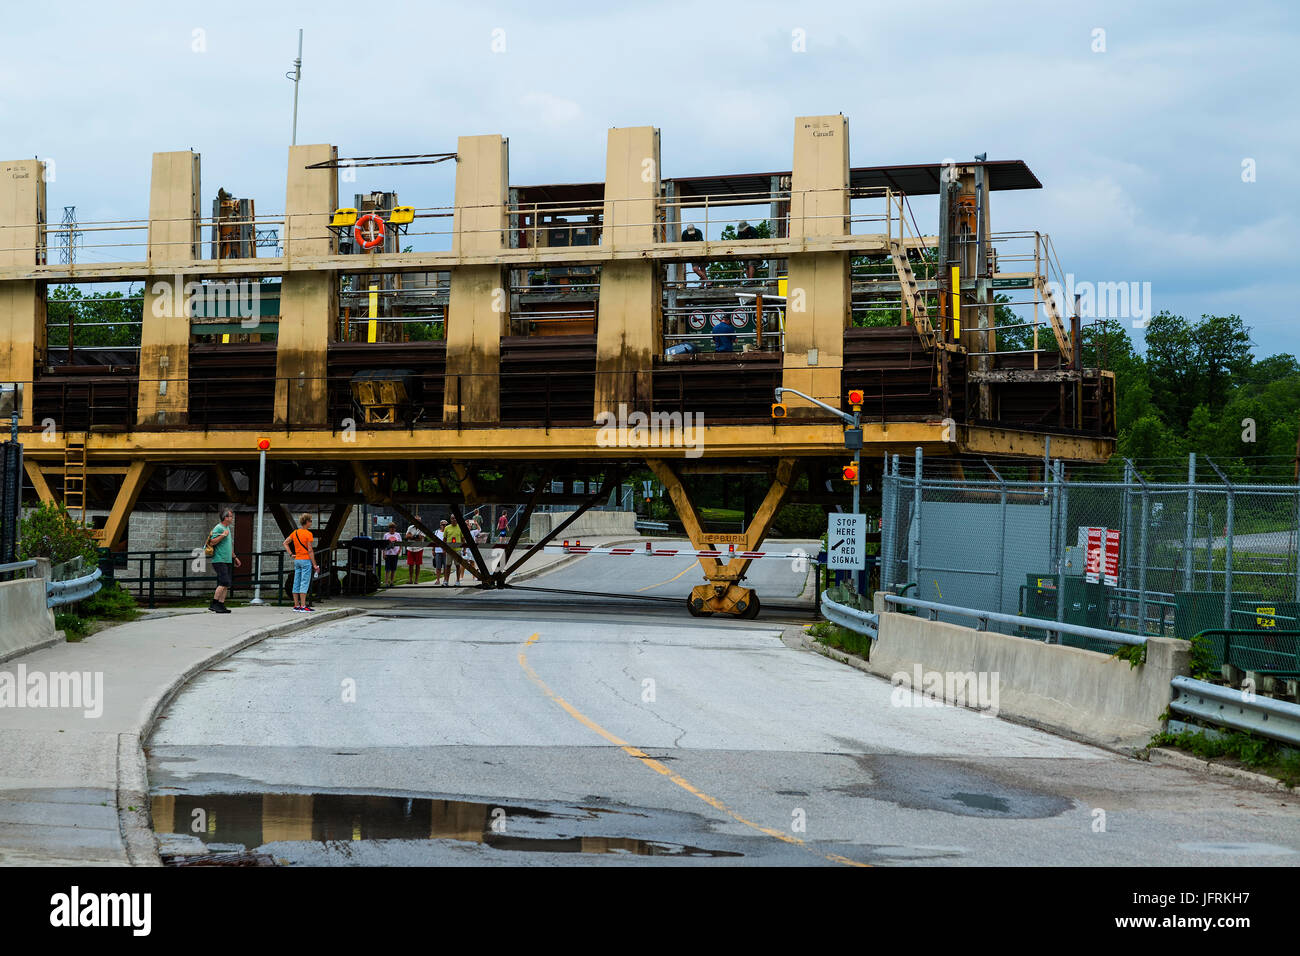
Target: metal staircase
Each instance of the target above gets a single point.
(912, 297)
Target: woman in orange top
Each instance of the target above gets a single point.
(301, 547)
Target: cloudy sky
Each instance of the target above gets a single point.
(1166, 135)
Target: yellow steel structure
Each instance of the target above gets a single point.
(633, 246)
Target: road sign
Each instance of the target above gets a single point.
(846, 542)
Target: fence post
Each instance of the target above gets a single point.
(1295, 552)
(1189, 552)
(152, 568)
(185, 571)
(1142, 557)
(1002, 535)
(914, 555)
(887, 492)
(1063, 499)
(1227, 547)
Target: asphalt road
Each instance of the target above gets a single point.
(488, 732)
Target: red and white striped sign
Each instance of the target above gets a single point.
(649, 551)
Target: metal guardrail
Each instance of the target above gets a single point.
(650, 525)
(1228, 707)
(1036, 623)
(16, 566)
(72, 590)
(863, 622)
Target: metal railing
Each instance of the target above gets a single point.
(1032, 623)
(58, 593)
(1239, 710)
(863, 622)
(168, 575)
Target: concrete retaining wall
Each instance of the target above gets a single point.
(25, 622)
(1082, 694)
(591, 523)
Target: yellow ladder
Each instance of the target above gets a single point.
(74, 476)
(911, 293)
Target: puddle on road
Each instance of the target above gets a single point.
(189, 825)
(928, 783)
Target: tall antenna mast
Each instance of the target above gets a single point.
(296, 75)
(69, 237)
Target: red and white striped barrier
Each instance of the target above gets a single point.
(650, 551)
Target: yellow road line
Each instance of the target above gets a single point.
(693, 564)
(659, 768)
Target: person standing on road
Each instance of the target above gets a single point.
(453, 540)
(503, 525)
(302, 548)
(441, 563)
(392, 552)
(414, 554)
(223, 553)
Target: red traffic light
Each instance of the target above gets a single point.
(263, 444)
(855, 396)
(851, 474)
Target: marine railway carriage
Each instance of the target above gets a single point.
(555, 303)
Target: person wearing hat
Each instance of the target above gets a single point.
(691, 234)
(746, 231)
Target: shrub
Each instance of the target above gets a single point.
(49, 532)
(110, 603)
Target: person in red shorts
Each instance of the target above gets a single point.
(414, 554)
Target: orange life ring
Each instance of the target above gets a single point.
(378, 231)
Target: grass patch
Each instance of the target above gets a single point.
(109, 605)
(832, 635)
(73, 627)
(1254, 753)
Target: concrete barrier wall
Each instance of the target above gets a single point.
(1082, 694)
(590, 523)
(25, 622)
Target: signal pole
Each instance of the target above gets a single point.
(262, 445)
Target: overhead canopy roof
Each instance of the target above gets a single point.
(921, 179)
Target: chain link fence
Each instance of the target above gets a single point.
(1161, 558)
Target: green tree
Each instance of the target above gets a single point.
(1222, 353)
(1171, 367)
(109, 319)
(48, 531)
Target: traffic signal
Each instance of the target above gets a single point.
(263, 444)
(855, 399)
(778, 410)
(851, 474)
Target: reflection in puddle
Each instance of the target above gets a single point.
(233, 822)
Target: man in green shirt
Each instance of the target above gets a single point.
(223, 553)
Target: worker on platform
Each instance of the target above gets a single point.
(691, 234)
(746, 231)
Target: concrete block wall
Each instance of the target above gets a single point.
(1081, 694)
